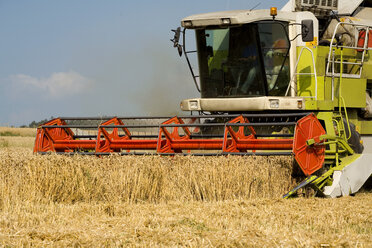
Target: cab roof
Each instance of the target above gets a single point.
(236, 17)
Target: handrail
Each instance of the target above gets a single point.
(341, 100)
(314, 73)
(364, 48)
(188, 60)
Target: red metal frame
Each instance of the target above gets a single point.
(49, 139)
(178, 139)
(110, 139)
(171, 141)
(231, 145)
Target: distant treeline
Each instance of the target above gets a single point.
(35, 124)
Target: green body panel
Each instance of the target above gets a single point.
(366, 127)
(320, 105)
(306, 83)
(352, 90)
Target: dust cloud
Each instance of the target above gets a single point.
(168, 82)
(142, 78)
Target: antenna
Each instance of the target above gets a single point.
(255, 6)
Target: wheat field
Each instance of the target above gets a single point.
(14, 131)
(153, 201)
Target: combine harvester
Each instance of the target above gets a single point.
(296, 81)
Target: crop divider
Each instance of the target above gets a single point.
(109, 139)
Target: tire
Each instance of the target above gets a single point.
(355, 140)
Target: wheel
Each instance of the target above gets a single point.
(355, 140)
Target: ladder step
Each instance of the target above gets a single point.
(349, 63)
(344, 75)
(305, 74)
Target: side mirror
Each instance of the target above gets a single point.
(176, 39)
(307, 30)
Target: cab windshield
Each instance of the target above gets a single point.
(243, 61)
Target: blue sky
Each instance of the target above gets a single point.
(94, 58)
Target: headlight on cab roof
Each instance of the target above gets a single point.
(187, 24)
(226, 21)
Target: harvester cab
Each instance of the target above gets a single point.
(269, 60)
(245, 59)
(290, 82)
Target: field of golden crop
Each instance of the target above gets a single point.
(17, 137)
(157, 201)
